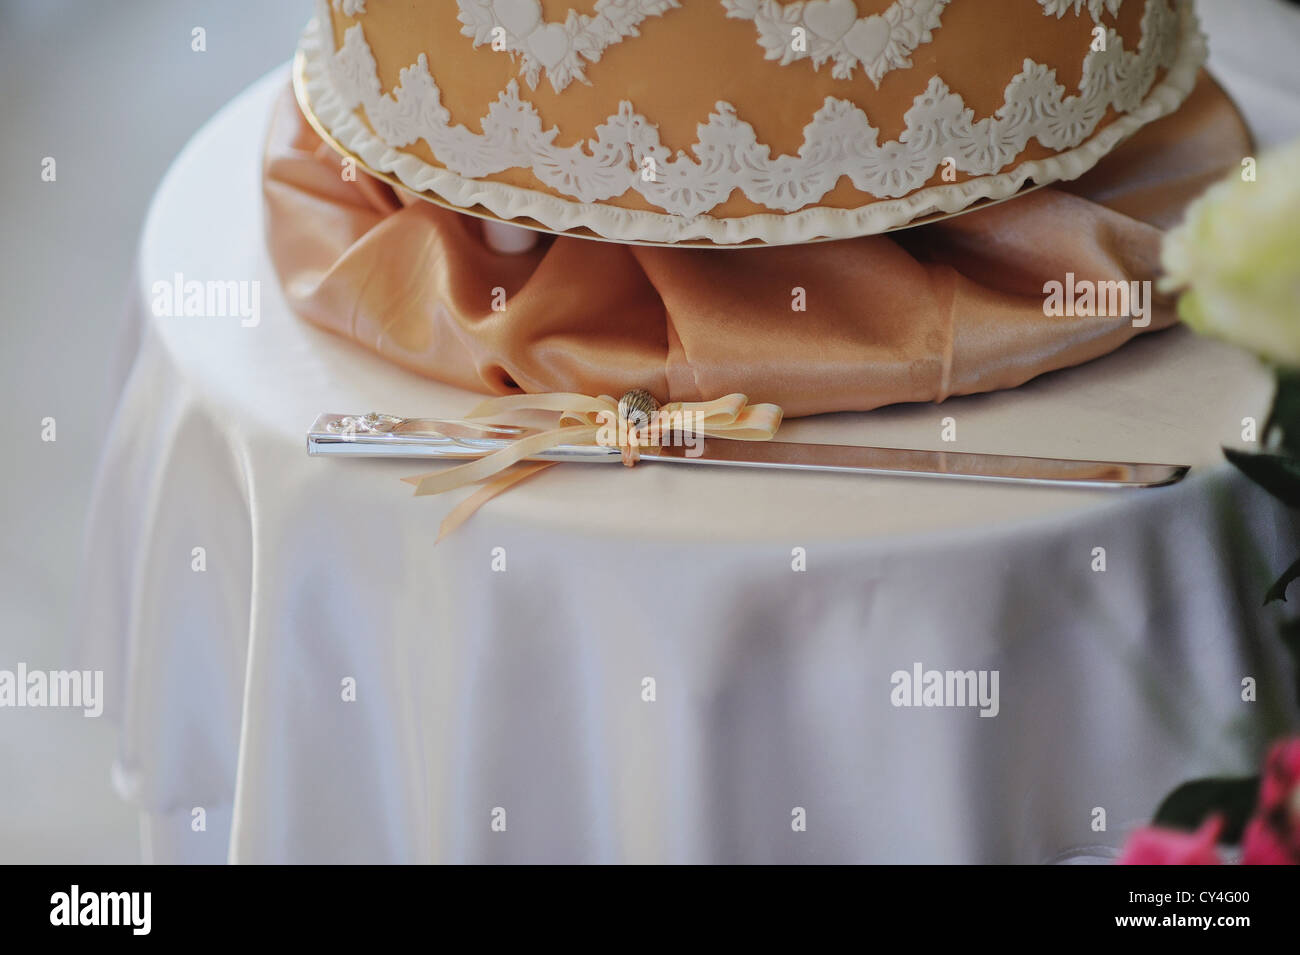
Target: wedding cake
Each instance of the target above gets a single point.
(738, 121)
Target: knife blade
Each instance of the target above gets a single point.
(376, 435)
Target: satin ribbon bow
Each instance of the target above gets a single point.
(586, 420)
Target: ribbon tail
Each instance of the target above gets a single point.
(583, 421)
(463, 511)
(448, 479)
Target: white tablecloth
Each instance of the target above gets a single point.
(484, 695)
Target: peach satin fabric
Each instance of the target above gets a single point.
(950, 308)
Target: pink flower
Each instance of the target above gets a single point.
(1281, 776)
(1273, 836)
(1156, 846)
(1263, 845)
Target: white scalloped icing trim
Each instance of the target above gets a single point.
(617, 223)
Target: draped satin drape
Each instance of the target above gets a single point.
(954, 307)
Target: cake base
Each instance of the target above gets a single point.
(481, 211)
(956, 307)
(534, 209)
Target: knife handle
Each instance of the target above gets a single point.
(377, 435)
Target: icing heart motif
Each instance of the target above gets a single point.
(830, 19)
(877, 44)
(868, 39)
(519, 17)
(549, 43)
(558, 48)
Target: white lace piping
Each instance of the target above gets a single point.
(1059, 8)
(839, 141)
(517, 27)
(832, 30)
(821, 30)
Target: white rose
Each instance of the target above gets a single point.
(1236, 259)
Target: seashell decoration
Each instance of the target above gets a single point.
(637, 407)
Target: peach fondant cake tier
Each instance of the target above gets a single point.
(740, 120)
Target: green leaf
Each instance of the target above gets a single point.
(1191, 803)
(1285, 415)
(1291, 639)
(1290, 633)
(1278, 475)
(1278, 590)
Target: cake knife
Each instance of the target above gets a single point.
(377, 435)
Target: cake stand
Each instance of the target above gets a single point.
(656, 664)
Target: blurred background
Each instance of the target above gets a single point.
(112, 91)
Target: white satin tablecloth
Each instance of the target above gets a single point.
(487, 696)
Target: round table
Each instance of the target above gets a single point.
(656, 664)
